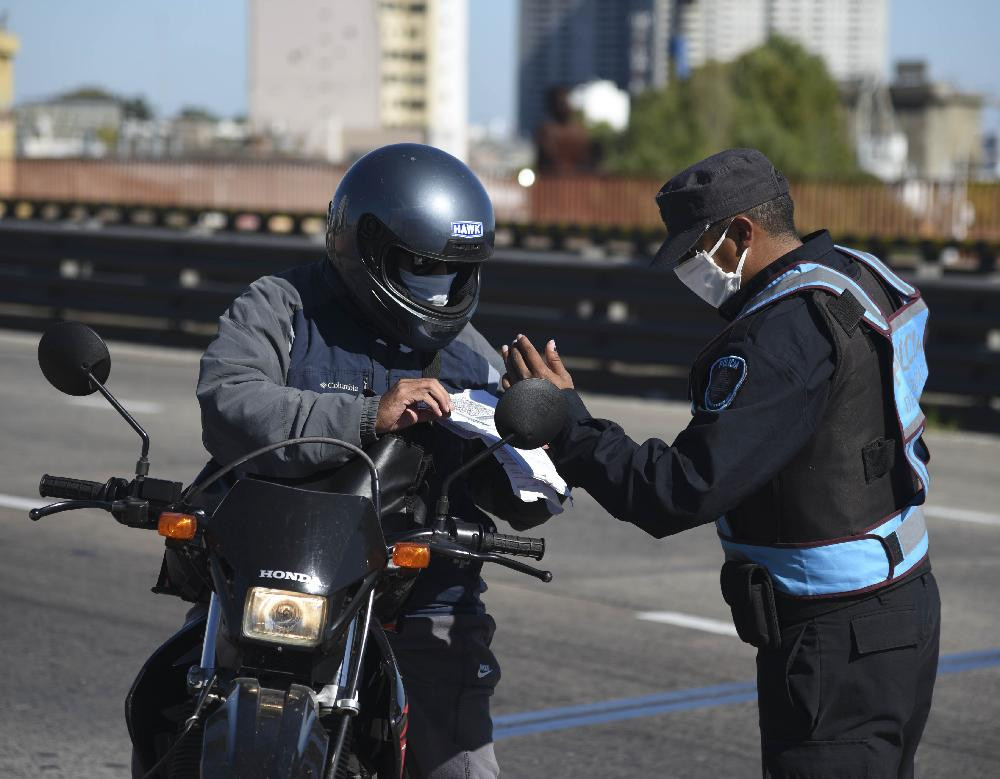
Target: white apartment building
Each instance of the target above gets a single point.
(852, 36)
(336, 78)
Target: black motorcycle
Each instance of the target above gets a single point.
(287, 671)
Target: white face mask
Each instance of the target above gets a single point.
(431, 288)
(707, 280)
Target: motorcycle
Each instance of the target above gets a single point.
(288, 671)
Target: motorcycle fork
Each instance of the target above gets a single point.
(344, 694)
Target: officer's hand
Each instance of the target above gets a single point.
(523, 361)
(411, 401)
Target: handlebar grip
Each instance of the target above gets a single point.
(515, 545)
(70, 489)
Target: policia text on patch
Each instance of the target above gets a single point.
(805, 448)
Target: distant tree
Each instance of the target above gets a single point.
(133, 107)
(777, 98)
(197, 114)
(136, 108)
(88, 93)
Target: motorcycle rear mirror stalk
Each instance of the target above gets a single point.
(76, 361)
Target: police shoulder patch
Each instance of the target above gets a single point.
(725, 378)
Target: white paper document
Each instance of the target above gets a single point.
(530, 471)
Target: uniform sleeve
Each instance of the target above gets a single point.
(244, 401)
(722, 456)
(490, 486)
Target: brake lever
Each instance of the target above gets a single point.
(67, 505)
(461, 553)
(517, 565)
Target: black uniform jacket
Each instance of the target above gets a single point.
(725, 455)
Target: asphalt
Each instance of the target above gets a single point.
(588, 690)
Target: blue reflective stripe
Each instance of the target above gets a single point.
(916, 463)
(881, 268)
(818, 570)
(909, 367)
(815, 276)
(830, 569)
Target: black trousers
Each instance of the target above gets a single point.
(848, 693)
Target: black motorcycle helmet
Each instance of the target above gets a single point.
(410, 202)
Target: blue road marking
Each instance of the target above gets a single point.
(564, 717)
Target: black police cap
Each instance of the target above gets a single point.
(723, 185)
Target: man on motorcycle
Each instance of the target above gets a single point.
(368, 342)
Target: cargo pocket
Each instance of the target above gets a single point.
(803, 676)
(885, 630)
(480, 678)
(847, 759)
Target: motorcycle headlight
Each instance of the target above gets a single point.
(284, 617)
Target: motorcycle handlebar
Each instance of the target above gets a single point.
(515, 545)
(71, 489)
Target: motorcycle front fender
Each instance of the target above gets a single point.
(260, 733)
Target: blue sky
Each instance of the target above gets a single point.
(193, 52)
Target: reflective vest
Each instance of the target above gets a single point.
(892, 545)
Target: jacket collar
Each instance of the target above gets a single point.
(816, 247)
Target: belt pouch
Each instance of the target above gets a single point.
(748, 590)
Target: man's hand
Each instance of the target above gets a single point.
(524, 362)
(411, 401)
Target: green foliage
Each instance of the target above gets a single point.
(88, 93)
(136, 108)
(777, 98)
(133, 107)
(196, 114)
(108, 136)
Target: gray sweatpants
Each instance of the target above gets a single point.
(449, 673)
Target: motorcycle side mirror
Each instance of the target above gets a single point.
(531, 412)
(76, 361)
(68, 353)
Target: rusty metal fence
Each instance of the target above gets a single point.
(912, 210)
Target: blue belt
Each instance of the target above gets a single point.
(839, 567)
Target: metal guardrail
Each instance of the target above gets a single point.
(622, 326)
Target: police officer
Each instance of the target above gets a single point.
(805, 448)
(367, 342)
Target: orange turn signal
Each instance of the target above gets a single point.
(410, 554)
(179, 526)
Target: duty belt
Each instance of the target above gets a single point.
(841, 566)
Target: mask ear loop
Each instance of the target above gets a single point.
(722, 237)
(743, 259)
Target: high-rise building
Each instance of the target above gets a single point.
(570, 42)
(630, 42)
(850, 35)
(943, 126)
(719, 30)
(335, 78)
(9, 44)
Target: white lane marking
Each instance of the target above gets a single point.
(134, 406)
(962, 515)
(20, 504)
(688, 621)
